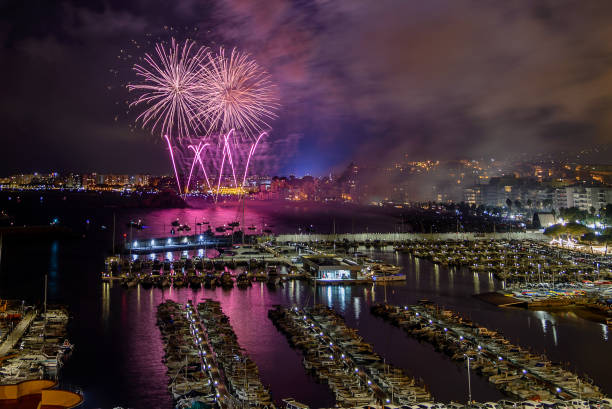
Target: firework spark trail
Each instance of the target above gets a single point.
(197, 152)
(199, 158)
(170, 82)
(229, 155)
(251, 152)
(237, 94)
(178, 183)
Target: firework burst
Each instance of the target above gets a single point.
(236, 94)
(170, 82)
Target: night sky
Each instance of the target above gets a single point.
(364, 80)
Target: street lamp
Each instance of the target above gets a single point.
(469, 380)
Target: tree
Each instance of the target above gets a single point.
(576, 230)
(517, 204)
(573, 214)
(555, 231)
(607, 215)
(509, 204)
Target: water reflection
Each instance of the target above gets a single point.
(53, 270)
(248, 309)
(105, 302)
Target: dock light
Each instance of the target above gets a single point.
(445, 329)
(218, 395)
(479, 347)
(500, 358)
(152, 242)
(417, 314)
(216, 383)
(430, 321)
(388, 400)
(356, 369)
(558, 390)
(209, 366)
(331, 344)
(169, 241)
(524, 371)
(342, 356)
(331, 357)
(405, 307)
(369, 382)
(320, 333)
(201, 238)
(135, 244)
(461, 337)
(312, 325)
(304, 317)
(204, 352)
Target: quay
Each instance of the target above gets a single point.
(211, 240)
(513, 369)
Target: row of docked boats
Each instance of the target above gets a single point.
(124, 266)
(510, 260)
(513, 369)
(41, 350)
(209, 279)
(336, 354)
(189, 380)
(240, 373)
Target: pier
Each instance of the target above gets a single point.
(15, 335)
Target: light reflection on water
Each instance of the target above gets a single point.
(248, 308)
(119, 349)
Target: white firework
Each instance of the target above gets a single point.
(171, 79)
(236, 94)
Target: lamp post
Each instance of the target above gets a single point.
(469, 380)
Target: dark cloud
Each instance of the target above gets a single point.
(366, 80)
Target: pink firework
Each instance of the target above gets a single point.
(236, 94)
(170, 80)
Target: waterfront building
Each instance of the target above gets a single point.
(329, 267)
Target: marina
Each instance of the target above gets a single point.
(36, 348)
(336, 354)
(517, 371)
(127, 300)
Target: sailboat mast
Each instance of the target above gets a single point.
(113, 233)
(45, 302)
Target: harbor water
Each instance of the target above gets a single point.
(118, 355)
